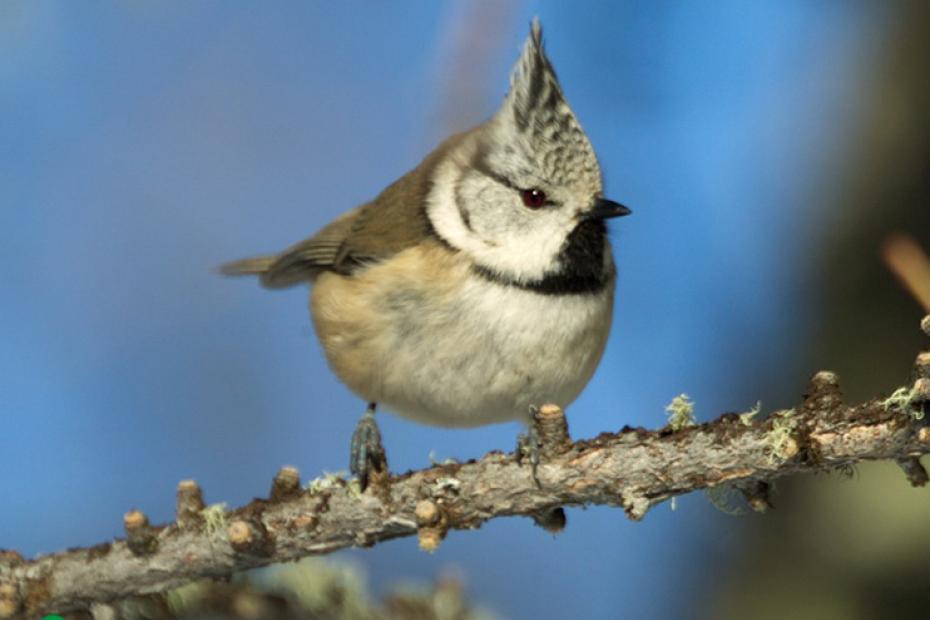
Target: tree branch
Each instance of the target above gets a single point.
(634, 469)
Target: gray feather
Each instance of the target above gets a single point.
(247, 266)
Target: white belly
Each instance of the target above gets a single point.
(493, 353)
(461, 351)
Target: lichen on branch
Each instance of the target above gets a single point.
(634, 469)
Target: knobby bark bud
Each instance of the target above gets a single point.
(189, 505)
(915, 472)
(246, 536)
(140, 535)
(552, 430)
(429, 538)
(286, 484)
(427, 513)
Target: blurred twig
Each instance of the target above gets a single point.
(472, 42)
(907, 260)
(634, 469)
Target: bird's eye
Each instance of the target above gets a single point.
(534, 198)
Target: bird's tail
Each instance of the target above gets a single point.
(255, 266)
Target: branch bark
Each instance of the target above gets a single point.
(634, 469)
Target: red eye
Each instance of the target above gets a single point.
(534, 198)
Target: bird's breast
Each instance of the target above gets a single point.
(430, 339)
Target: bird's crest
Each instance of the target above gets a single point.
(536, 110)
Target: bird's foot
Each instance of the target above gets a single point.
(528, 445)
(529, 449)
(368, 456)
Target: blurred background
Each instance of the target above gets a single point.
(765, 148)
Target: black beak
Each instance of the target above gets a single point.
(604, 209)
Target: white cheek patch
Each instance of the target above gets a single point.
(524, 255)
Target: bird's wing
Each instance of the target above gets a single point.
(302, 261)
(373, 232)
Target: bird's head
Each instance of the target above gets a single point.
(522, 193)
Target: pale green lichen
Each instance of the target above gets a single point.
(190, 596)
(780, 440)
(309, 588)
(903, 399)
(680, 412)
(434, 459)
(315, 584)
(748, 417)
(448, 484)
(214, 518)
(327, 482)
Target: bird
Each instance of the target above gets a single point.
(476, 286)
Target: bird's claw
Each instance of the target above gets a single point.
(528, 445)
(367, 454)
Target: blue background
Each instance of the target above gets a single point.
(144, 143)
